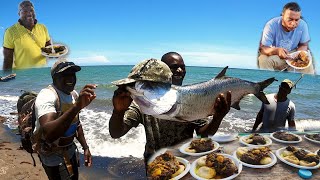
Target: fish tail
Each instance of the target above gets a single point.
(262, 85)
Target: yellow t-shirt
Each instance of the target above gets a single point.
(27, 45)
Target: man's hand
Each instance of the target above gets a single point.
(121, 99)
(87, 158)
(221, 108)
(86, 96)
(222, 105)
(282, 53)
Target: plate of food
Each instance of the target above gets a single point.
(299, 59)
(216, 166)
(223, 137)
(285, 137)
(199, 147)
(298, 157)
(167, 166)
(313, 137)
(255, 140)
(59, 50)
(255, 157)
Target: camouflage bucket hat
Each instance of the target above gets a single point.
(148, 70)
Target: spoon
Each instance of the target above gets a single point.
(52, 49)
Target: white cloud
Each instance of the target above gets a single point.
(199, 54)
(90, 60)
(220, 59)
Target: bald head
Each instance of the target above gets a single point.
(25, 4)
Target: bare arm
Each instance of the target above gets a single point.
(222, 107)
(82, 140)
(54, 127)
(8, 58)
(303, 46)
(121, 102)
(258, 120)
(281, 52)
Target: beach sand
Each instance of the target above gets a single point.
(17, 164)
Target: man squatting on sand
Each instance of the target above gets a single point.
(282, 35)
(160, 133)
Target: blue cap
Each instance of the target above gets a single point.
(305, 174)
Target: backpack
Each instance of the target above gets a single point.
(27, 119)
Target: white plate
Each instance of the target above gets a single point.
(273, 162)
(56, 55)
(224, 137)
(295, 54)
(268, 141)
(183, 161)
(278, 154)
(312, 140)
(182, 149)
(286, 142)
(235, 161)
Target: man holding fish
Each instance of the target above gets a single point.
(160, 133)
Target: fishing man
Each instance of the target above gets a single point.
(281, 109)
(57, 110)
(160, 133)
(23, 41)
(281, 36)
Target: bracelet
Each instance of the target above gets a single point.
(85, 147)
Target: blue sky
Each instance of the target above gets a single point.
(205, 32)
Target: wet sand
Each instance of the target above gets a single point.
(17, 164)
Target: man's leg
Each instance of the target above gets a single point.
(56, 172)
(60, 172)
(74, 163)
(271, 62)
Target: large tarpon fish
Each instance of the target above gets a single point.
(192, 102)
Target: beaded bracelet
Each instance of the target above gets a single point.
(85, 147)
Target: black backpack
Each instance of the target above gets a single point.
(27, 119)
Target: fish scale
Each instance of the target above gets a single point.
(196, 101)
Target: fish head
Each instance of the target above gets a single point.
(153, 98)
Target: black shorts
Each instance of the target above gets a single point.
(60, 172)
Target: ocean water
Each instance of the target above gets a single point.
(95, 118)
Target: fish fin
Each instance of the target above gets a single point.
(266, 83)
(262, 97)
(222, 73)
(236, 105)
(262, 85)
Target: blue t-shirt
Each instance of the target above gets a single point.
(274, 35)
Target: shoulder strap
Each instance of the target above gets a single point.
(57, 104)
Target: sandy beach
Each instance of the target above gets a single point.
(17, 164)
(14, 162)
